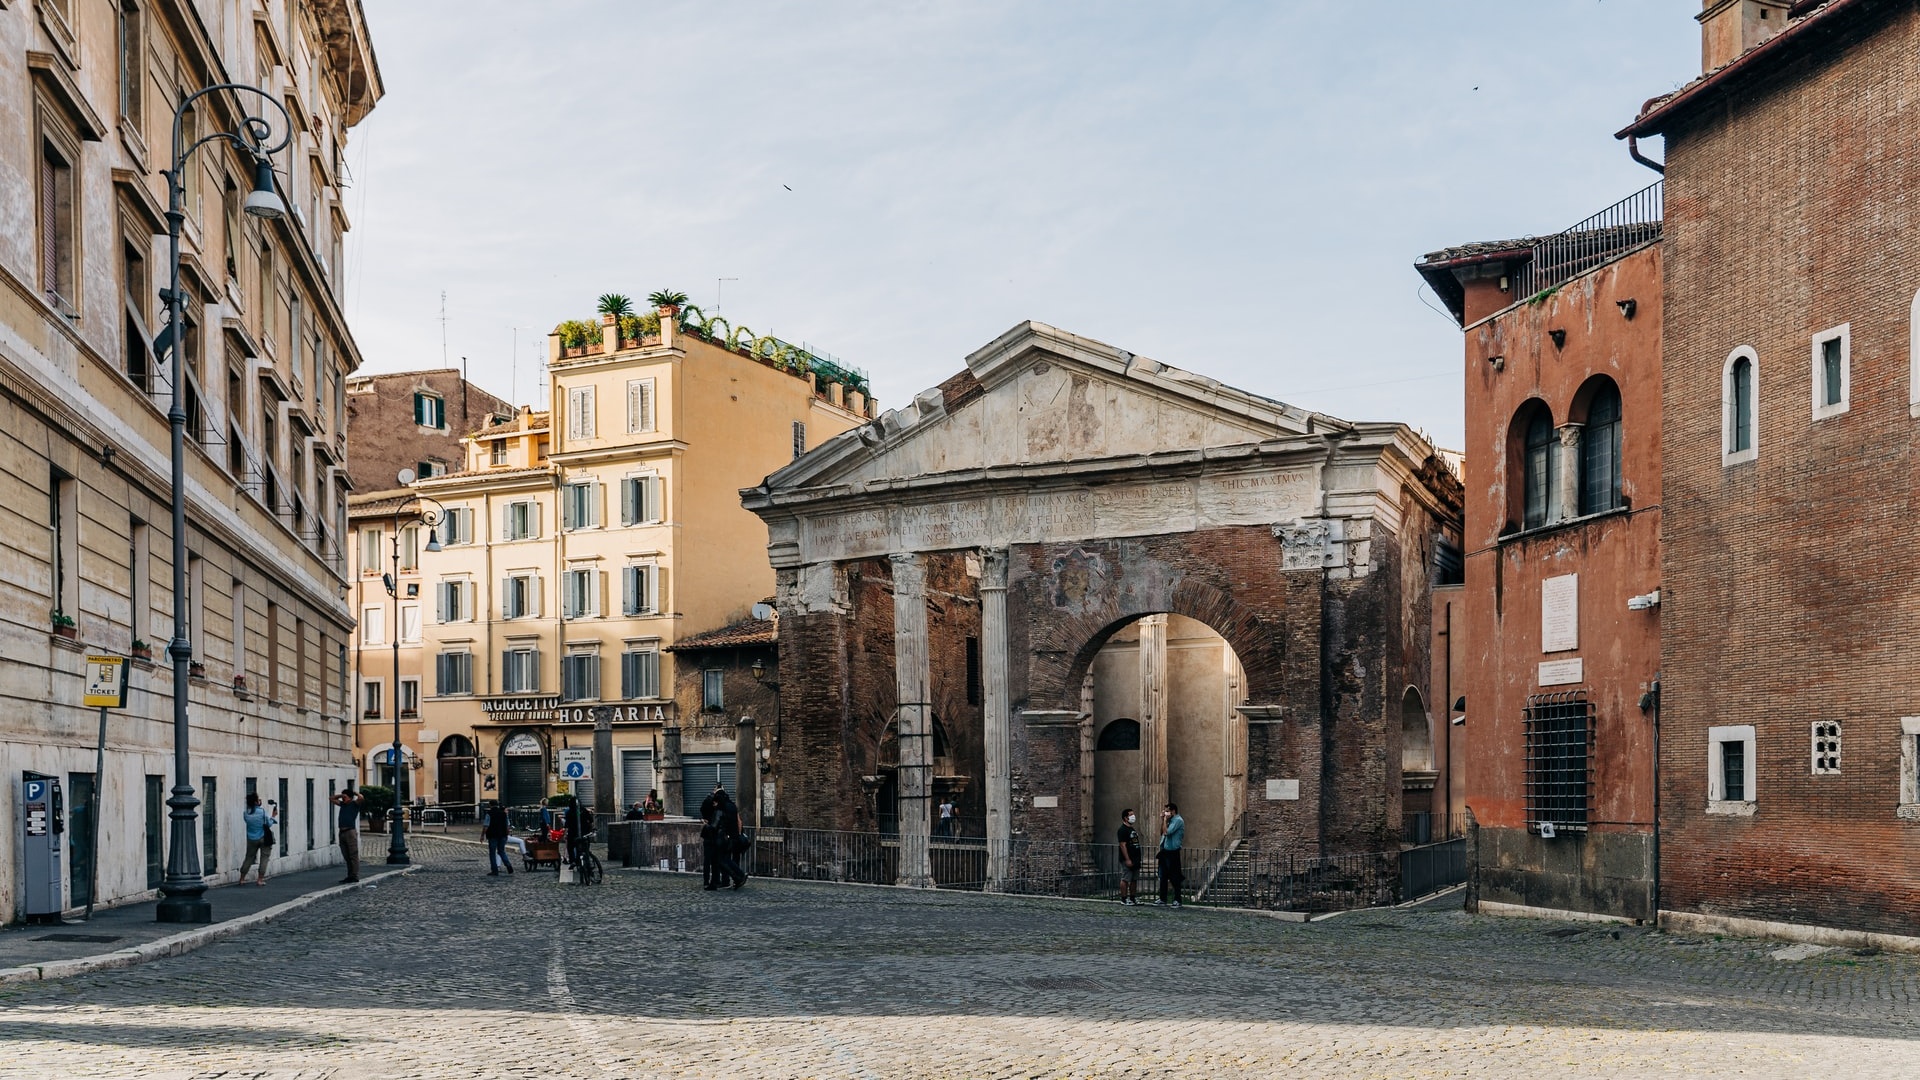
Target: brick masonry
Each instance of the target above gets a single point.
(1791, 204)
(383, 437)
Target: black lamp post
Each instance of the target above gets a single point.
(431, 518)
(183, 890)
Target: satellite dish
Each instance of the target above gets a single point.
(763, 611)
(406, 476)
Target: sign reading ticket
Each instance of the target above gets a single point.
(106, 682)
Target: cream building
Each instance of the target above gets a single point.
(576, 547)
(85, 525)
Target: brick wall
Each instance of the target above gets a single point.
(1791, 204)
(382, 437)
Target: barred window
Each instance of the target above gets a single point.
(1826, 747)
(1559, 733)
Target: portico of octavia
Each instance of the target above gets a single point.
(1071, 580)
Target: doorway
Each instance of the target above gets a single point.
(523, 770)
(454, 783)
(80, 850)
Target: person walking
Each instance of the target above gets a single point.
(1129, 838)
(349, 825)
(496, 831)
(1173, 833)
(259, 821)
(728, 840)
(710, 837)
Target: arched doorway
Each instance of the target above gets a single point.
(455, 780)
(1418, 775)
(1164, 692)
(383, 773)
(523, 769)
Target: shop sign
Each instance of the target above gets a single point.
(549, 710)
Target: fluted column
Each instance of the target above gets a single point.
(1153, 719)
(914, 720)
(995, 715)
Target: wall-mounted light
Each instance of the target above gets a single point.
(1644, 601)
(1627, 307)
(1499, 362)
(1559, 338)
(1506, 283)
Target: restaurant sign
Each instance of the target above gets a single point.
(550, 710)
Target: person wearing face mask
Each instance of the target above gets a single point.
(1129, 837)
(1173, 835)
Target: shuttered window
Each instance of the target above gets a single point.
(640, 500)
(429, 410)
(640, 590)
(453, 673)
(520, 671)
(580, 505)
(640, 406)
(520, 597)
(640, 674)
(580, 594)
(458, 525)
(57, 228)
(455, 601)
(580, 677)
(520, 520)
(580, 412)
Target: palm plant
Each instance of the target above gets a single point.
(667, 298)
(614, 303)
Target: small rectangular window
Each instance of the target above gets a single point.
(520, 671)
(457, 526)
(799, 438)
(409, 623)
(580, 677)
(520, 596)
(410, 698)
(498, 452)
(58, 229)
(639, 500)
(453, 673)
(1733, 769)
(580, 412)
(713, 696)
(580, 591)
(370, 555)
(640, 406)
(580, 507)
(429, 410)
(639, 595)
(373, 624)
(522, 521)
(1830, 371)
(640, 674)
(1730, 770)
(1832, 359)
(372, 691)
(1826, 748)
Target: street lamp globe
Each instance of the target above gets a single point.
(263, 201)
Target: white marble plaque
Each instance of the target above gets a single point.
(1562, 672)
(1282, 790)
(1046, 802)
(1560, 613)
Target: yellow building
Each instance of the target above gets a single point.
(576, 546)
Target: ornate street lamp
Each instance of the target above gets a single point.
(431, 517)
(183, 890)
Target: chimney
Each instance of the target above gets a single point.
(1728, 28)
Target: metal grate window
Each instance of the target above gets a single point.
(1826, 747)
(1559, 732)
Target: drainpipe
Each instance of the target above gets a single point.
(1656, 799)
(1633, 151)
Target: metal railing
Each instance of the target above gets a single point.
(1425, 827)
(1627, 224)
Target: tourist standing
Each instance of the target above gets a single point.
(1129, 838)
(727, 827)
(496, 833)
(259, 822)
(349, 824)
(946, 817)
(1173, 834)
(710, 837)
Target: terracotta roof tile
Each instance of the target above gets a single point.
(739, 635)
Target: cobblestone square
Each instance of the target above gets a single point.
(449, 973)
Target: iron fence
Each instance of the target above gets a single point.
(1627, 224)
(1428, 869)
(1425, 827)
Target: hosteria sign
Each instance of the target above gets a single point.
(549, 710)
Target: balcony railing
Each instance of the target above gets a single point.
(1630, 223)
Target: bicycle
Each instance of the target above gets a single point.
(587, 871)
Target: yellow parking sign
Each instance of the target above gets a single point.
(106, 682)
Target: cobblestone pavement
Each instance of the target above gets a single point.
(448, 973)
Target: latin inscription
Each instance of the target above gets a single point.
(1560, 613)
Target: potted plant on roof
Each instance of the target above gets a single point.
(667, 301)
(64, 626)
(612, 306)
(142, 650)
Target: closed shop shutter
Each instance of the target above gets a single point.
(698, 774)
(583, 790)
(524, 779)
(636, 776)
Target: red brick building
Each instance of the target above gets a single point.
(1562, 532)
(1791, 600)
(413, 420)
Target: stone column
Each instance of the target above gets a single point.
(604, 810)
(1153, 721)
(995, 715)
(913, 720)
(746, 773)
(1569, 451)
(670, 792)
(1086, 760)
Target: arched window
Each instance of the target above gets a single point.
(1120, 734)
(1600, 452)
(1739, 434)
(1541, 469)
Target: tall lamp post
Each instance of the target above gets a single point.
(183, 890)
(431, 517)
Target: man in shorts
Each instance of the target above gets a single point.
(1129, 838)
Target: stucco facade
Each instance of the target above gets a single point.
(84, 441)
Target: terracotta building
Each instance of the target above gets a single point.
(725, 687)
(1557, 636)
(413, 420)
(1791, 599)
(1070, 579)
(86, 126)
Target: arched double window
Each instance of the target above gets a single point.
(1739, 386)
(1600, 451)
(1539, 467)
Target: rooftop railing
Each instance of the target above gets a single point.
(1630, 223)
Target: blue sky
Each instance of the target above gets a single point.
(1236, 189)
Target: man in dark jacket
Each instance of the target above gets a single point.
(572, 823)
(710, 836)
(496, 832)
(727, 827)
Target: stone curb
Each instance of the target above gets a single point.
(176, 944)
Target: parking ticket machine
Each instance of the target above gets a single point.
(43, 826)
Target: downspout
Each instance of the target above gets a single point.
(1633, 151)
(1656, 800)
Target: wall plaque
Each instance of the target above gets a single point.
(1561, 672)
(1282, 790)
(1560, 613)
(1046, 802)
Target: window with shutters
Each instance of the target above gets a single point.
(429, 410)
(520, 596)
(455, 600)
(133, 68)
(639, 594)
(640, 674)
(520, 671)
(640, 406)
(580, 412)
(453, 673)
(580, 594)
(713, 697)
(580, 505)
(410, 698)
(580, 677)
(59, 228)
(799, 438)
(640, 499)
(520, 520)
(456, 527)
